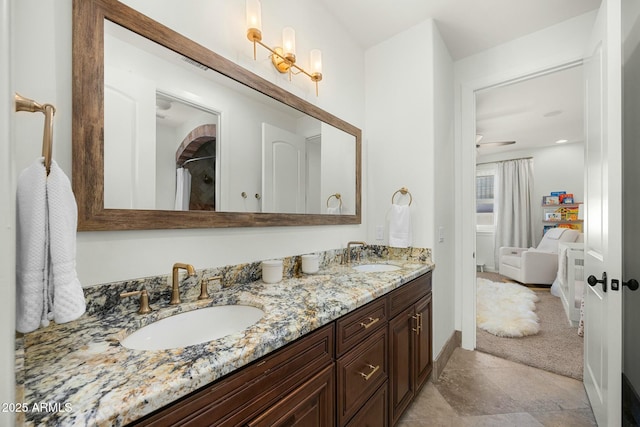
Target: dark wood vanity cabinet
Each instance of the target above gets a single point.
(247, 395)
(410, 353)
(364, 369)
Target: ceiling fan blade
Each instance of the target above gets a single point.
(494, 144)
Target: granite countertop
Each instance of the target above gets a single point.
(78, 373)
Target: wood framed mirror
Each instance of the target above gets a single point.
(120, 183)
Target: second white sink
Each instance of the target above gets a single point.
(193, 327)
(375, 268)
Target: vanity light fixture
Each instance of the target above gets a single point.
(283, 58)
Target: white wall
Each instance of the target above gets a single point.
(220, 25)
(555, 168)
(444, 206)
(557, 45)
(400, 128)
(410, 143)
(7, 218)
(337, 148)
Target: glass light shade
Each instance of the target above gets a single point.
(315, 61)
(254, 15)
(289, 41)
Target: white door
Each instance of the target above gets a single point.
(603, 229)
(283, 170)
(130, 128)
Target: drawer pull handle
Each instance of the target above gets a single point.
(417, 328)
(372, 321)
(374, 369)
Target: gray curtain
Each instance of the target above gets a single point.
(514, 225)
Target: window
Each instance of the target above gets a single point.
(485, 183)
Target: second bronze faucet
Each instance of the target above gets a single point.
(175, 284)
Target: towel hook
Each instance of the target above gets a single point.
(404, 191)
(338, 197)
(31, 106)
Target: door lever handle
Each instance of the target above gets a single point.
(592, 281)
(632, 284)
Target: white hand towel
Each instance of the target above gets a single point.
(400, 226)
(31, 247)
(68, 297)
(333, 210)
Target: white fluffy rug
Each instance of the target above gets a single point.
(506, 309)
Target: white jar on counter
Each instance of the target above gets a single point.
(310, 264)
(272, 271)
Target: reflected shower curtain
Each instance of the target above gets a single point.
(514, 224)
(183, 189)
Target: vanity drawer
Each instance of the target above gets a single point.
(409, 293)
(360, 372)
(310, 405)
(355, 327)
(374, 413)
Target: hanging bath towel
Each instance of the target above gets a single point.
(47, 284)
(31, 247)
(65, 289)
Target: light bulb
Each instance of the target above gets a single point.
(315, 60)
(289, 43)
(254, 17)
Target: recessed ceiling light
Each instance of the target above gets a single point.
(562, 141)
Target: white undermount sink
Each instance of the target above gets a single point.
(193, 327)
(375, 268)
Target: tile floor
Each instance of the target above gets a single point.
(477, 389)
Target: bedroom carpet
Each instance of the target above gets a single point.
(556, 348)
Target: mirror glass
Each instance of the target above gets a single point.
(168, 134)
(181, 136)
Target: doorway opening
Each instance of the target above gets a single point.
(538, 120)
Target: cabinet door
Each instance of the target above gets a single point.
(374, 412)
(402, 329)
(311, 405)
(423, 357)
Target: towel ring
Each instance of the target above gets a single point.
(404, 192)
(338, 197)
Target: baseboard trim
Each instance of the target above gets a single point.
(454, 341)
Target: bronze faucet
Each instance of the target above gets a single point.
(349, 250)
(175, 285)
(204, 292)
(144, 300)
